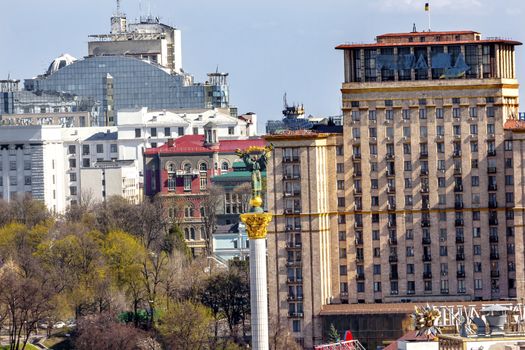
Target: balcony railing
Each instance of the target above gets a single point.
(493, 238)
(460, 239)
(425, 223)
(360, 277)
(491, 169)
(394, 276)
(424, 172)
(456, 154)
(460, 256)
(493, 187)
(494, 256)
(493, 221)
(493, 204)
(460, 274)
(458, 205)
(426, 240)
(291, 159)
(424, 189)
(491, 153)
(494, 273)
(423, 155)
(459, 222)
(458, 188)
(392, 258)
(427, 275)
(427, 257)
(392, 241)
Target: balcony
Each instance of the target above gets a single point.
(391, 189)
(390, 172)
(390, 156)
(358, 190)
(357, 174)
(444, 291)
(394, 276)
(424, 189)
(491, 153)
(360, 277)
(493, 187)
(458, 188)
(494, 256)
(391, 206)
(358, 206)
(359, 241)
(425, 206)
(460, 239)
(288, 211)
(427, 275)
(460, 257)
(424, 172)
(295, 314)
(426, 240)
(392, 241)
(493, 221)
(293, 176)
(391, 223)
(291, 193)
(290, 228)
(493, 238)
(492, 169)
(293, 245)
(460, 274)
(425, 223)
(423, 155)
(358, 224)
(456, 154)
(359, 258)
(458, 205)
(494, 273)
(292, 159)
(290, 263)
(457, 171)
(493, 204)
(356, 156)
(427, 257)
(459, 222)
(292, 297)
(392, 258)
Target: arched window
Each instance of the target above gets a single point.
(192, 233)
(187, 167)
(187, 233)
(203, 211)
(189, 212)
(203, 233)
(225, 166)
(203, 166)
(170, 167)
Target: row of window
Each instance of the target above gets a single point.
(13, 165)
(423, 132)
(406, 114)
(99, 148)
(422, 101)
(13, 181)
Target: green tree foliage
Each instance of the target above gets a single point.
(333, 334)
(185, 327)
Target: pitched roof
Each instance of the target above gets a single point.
(188, 144)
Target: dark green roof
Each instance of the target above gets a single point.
(246, 175)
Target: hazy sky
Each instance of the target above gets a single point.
(268, 47)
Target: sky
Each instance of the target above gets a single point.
(268, 47)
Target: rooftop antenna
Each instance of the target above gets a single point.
(217, 70)
(427, 9)
(140, 8)
(414, 29)
(118, 8)
(285, 102)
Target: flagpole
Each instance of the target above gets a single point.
(428, 15)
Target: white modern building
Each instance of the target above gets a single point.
(143, 128)
(230, 242)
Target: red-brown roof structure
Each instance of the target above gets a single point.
(188, 144)
(514, 125)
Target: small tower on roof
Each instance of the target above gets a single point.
(118, 21)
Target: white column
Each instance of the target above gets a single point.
(259, 294)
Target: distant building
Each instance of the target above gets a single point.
(180, 172)
(230, 242)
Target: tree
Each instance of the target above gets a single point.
(281, 338)
(209, 205)
(103, 332)
(28, 211)
(333, 334)
(25, 301)
(185, 327)
(228, 293)
(124, 256)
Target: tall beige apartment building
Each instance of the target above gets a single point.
(419, 199)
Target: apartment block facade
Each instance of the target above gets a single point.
(423, 186)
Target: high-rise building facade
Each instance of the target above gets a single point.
(424, 199)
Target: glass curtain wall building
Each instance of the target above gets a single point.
(135, 83)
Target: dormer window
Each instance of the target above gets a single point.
(422, 39)
(457, 37)
(410, 39)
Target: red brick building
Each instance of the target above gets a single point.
(180, 173)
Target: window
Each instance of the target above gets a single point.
(373, 166)
(100, 148)
(225, 166)
(409, 234)
(360, 287)
(473, 146)
(477, 249)
(137, 133)
(476, 232)
(113, 148)
(356, 133)
(439, 113)
(340, 184)
(231, 131)
(341, 201)
(475, 181)
(377, 269)
(377, 286)
(180, 131)
(72, 149)
(85, 162)
(27, 180)
(440, 147)
(340, 168)
(406, 114)
(473, 129)
(507, 145)
(343, 270)
(203, 182)
(409, 251)
(473, 112)
(475, 215)
(474, 163)
(406, 148)
(408, 182)
(187, 183)
(443, 251)
(441, 182)
(491, 112)
(372, 115)
(72, 163)
(375, 235)
(153, 132)
(27, 164)
(73, 190)
(374, 184)
(389, 114)
(509, 180)
(356, 116)
(73, 177)
(189, 211)
(478, 267)
(296, 326)
(408, 165)
(411, 287)
(422, 113)
(442, 199)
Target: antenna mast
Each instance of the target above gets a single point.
(118, 8)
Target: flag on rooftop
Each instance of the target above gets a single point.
(427, 6)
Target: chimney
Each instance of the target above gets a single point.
(171, 143)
